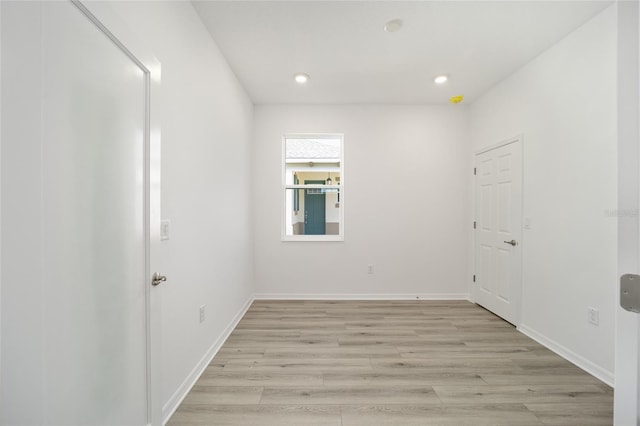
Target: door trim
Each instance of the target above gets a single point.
(626, 409)
(519, 138)
(514, 139)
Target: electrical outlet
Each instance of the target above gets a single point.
(202, 313)
(594, 316)
(369, 269)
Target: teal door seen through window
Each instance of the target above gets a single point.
(314, 209)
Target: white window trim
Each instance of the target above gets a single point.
(283, 202)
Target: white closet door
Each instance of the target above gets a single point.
(498, 256)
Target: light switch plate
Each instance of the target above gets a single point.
(164, 230)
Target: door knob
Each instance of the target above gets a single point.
(157, 279)
(512, 242)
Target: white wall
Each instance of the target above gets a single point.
(206, 128)
(22, 305)
(406, 200)
(564, 103)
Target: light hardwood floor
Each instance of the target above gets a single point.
(349, 363)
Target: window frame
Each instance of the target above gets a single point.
(285, 187)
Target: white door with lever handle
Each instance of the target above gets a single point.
(498, 228)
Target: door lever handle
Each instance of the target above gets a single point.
(157, 279)
(512, 242)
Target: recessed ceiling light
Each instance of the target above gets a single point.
(393, 25)
(440, 79)
(301, 78)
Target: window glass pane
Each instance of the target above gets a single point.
(318, 211)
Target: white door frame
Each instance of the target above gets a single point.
(0, 204)
(627, 346)
(519, 140)
(117, 30)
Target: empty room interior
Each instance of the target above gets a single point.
(319, 212)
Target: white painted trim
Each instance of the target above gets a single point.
(626, 403)
(363, 296)
(183, 390)
(0, 209)
(307, 238)
(500, 144)
(569, 355)
(0, 206)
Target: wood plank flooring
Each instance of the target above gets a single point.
(352, 363)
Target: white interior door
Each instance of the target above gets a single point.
(75, 197)
(498, 254)
(94, 239)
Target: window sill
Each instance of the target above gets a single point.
(304, 238)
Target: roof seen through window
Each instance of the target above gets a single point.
(312, 149)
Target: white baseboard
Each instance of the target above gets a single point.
(361, 296)
(574, 358)
(179, 395)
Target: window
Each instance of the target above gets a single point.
(312, 186)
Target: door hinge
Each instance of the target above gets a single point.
(475, 171)
(630, 292)
(474, 278)
(474, 224)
